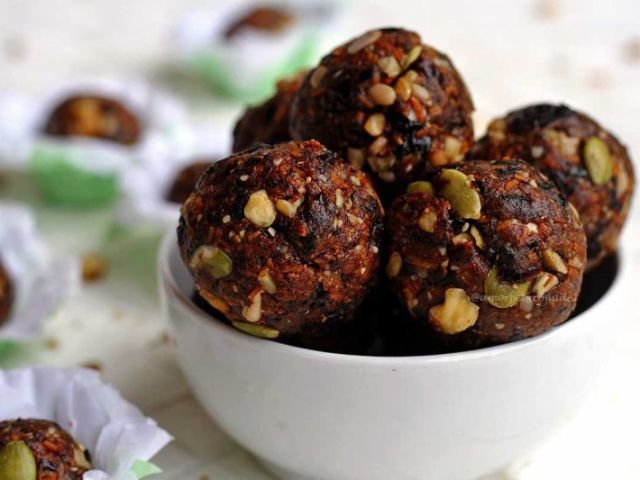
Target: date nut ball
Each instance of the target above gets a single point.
(268, 122)
(185, 181)
(587, 163)
(388, 103)
(6, 294)
(94, 116)
(485, 254)
(283, 240)
(40, 450)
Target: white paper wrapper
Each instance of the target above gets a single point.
(145, 186)
(251, 56)
(42, 280)
(116, 433)
(164, 122)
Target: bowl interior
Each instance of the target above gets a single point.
(597, 284)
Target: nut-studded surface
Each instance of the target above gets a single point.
(57, 455)
(6, 294)
(94, 116)
(185, 181)
(587, 163)
(283, 240)
(268, 122)
(389, 104)
(503, 258)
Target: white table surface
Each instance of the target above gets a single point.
(510, 53)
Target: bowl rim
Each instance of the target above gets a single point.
(169, 245)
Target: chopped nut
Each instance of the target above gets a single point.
(216, 262)
(420, 92)
(244, 178)
(94, 267)
(259, 210)
(411, 57)
(544, 283)
(339, 198)
(390, 66)
(464, 199)
(266, 281)
(375, 124)
(395, 265)
(378, 145)
(363, 41)
(287, 208)
(477, 236)
(215, 301)
(428, 221)
(597, 159)
(380, 164)
(355, 180)
(420, 186)
(253, 311)
(461, 239)
(525, 304)
(226, 219)
(457, 314)
(403, 89)
(553, 261)
(382, 94)
(503, 294)
(316, 77)
(537, 151)
(256, 330)
(356, 157)
(453, 149)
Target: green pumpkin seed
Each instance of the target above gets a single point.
(464, 199)
(421, 186)
(597, 159)
(257, 330)
(17, 462)
(503, 294)
(213, 260)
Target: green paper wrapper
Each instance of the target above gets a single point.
(64, 183)
(214, 70)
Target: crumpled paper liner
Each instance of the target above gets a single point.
(119, 437)
(145, 186)
(85, 172)
(247, 66)
(42, 280)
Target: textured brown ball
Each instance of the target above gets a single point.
(389, 104)
(94, 116)
(268, 122)
(587, 163)
(6, 294)
(283, 240)
(56, 454)
(486, 254)
(186, 180)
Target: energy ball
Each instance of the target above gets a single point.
(268, 122)
(94, 116)
(40, 450)
(485, 254)
(587, 163)
(186, 180)
(283, 240)
(388, 103)
(6, 294)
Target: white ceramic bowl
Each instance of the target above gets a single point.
(321, 416)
